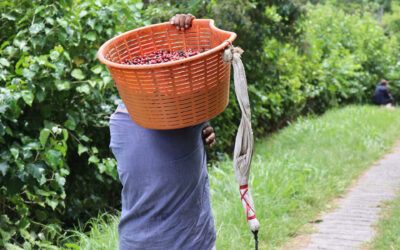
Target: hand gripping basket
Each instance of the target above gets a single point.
(174, 94)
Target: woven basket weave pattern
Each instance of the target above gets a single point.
(174, 94)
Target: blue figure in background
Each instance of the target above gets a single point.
(382, 95)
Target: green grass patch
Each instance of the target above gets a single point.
(388, 227)
(103, 234)
(295, 174)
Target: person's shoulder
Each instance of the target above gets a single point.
(382, 87)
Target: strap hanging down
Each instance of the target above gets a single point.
(244, 138)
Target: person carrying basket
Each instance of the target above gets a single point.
(165, 195)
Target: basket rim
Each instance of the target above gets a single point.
(109, 63)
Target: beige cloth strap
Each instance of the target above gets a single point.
(244, 142)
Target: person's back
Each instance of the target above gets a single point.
(382, 95)
(165, 196)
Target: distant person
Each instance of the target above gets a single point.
(382, 95)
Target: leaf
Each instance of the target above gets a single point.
(62, 85)
(21, 44)
(23, 223)
(65, 134)
(60, 180)
(82, 149)
(53, 66)
(92, 83)
(9, 131)
(95, 150)
(42, 181)
(4, 44)
(8, 16)
(73, 246)
(44, 135)
(91, 22)
(54, 157)
(99, 28)
(32, 146)
(78, 61)
(36, 28)
(3, 168)
(28, 96)
(91, 36)
(83, 13)
(139, 5)
(83, 89)
(14, 151)
(64, 171)
(66, 55)
(39, 9)
(4, 62)
(107, 79)
(97, 69)
(70, 124)
(62, 36)
(54, 55)
(52, 203)
(40, 94)
(50, 20)
(36, 170)
(59, 49)
(77, 74)
(93, 159)
(12, 247)
(28, 74)
(85, 138)
(62, 22)
(43, 192)
(102, 168)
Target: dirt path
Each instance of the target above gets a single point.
(349, 226)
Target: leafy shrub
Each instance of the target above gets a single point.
(55, 99)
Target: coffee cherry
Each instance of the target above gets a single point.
(161, 56)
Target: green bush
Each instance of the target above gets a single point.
(391, 24)
(55, 99)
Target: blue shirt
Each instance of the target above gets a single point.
(165, 195)
(382, 95)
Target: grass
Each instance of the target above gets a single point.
(295, 174)
(388, 227)
(103, 234)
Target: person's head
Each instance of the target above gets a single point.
(384, 82)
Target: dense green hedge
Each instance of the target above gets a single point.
(55, 100)
(55, 96)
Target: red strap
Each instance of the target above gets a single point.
(248, 207)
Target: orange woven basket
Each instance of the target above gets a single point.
(173, 94)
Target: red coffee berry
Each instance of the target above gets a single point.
(161, 56)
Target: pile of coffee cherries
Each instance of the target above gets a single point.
(161, 56)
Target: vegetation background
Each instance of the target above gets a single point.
(295, 175)
(56, 170)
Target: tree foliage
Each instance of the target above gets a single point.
(55, 100)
